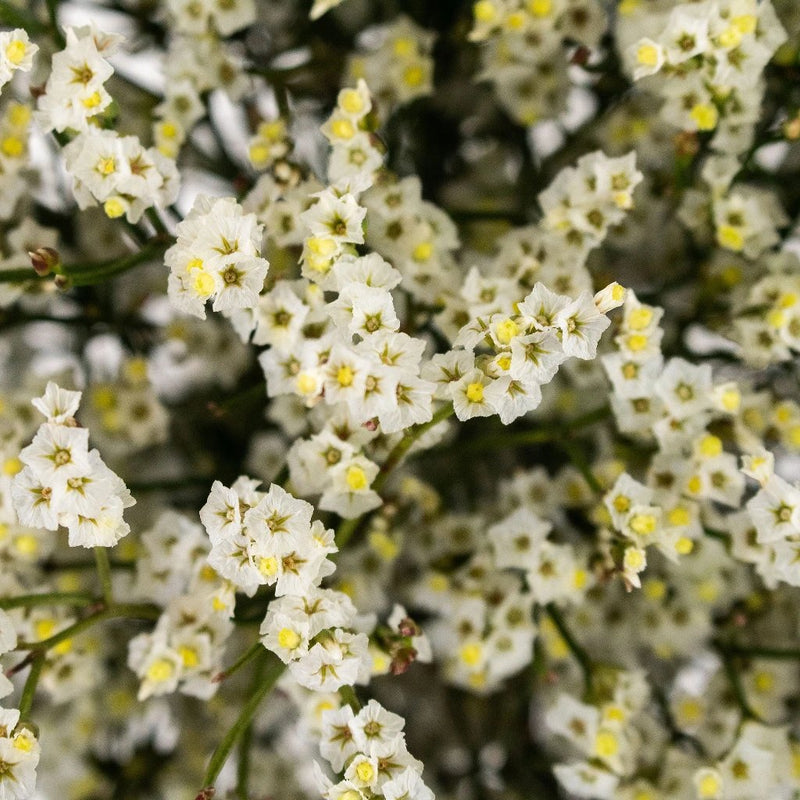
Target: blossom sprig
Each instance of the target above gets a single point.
(709, 58)
(382, 233)
(368, 749)
(64, 483)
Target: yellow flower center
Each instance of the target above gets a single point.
(475, 392)
(160, 670)
(288, 639)
(356, 479)
(15, 52)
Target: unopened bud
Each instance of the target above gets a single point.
(62, 282)
(44, 260)
(791, 128)
(687, 144)
(402, 660)
(408, 627)
(581, 56)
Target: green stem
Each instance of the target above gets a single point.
(757, 651)
(193, 481)
(348, 695)
(735, 681)
(54, 566)
(348, 527)
(46, 599)
(273, 670)
(581, 656)
(580, 463)
(719, 535)
(243, 659)
(246, 744)
(89, 274)
(52, 13)
(102, 272)
(156, 221)
(281, 98)
(32, 681)
(117, 611)
(104, 571)
(21, 275)
(399, 451)
(551, 433)
(243, 765)
(15, 18)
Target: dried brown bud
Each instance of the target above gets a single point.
(581, 56)
(62, 282)
(408, 627)
(687, 144)
(791, 128)
(44, 260)
(403, 658)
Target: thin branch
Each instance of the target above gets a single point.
(104, 572)
(117, 611)
(735, 680)
(46, 599)
(579, 653)
(32, 681)
(272, 672)
(243, 659)
(348, 527)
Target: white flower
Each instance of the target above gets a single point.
(512, 398)
(349, 493)
(376, 730)
(337, 218)
(57, 452)
(18, 776)
(685, 388)
(75, 92)
(580, 325)
(775, 511)
(337, 742)
(408, 785)
(516, 539)
(336, 662)
(16, 53)
(286, 634)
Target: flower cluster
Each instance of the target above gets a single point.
(217, 257)
(602, 733)
(709, 57)
(75, 92)
(16, 53)
(119, 173)
(268, 539)
(15, 126)
(522, 50)
(400, 68)
(504, 314)
(19, 745)
(369, 749)
(184, 651)
(268, 144)
(65, 483)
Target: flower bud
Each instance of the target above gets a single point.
(408, 627)
(44, 260)
(791, 128)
